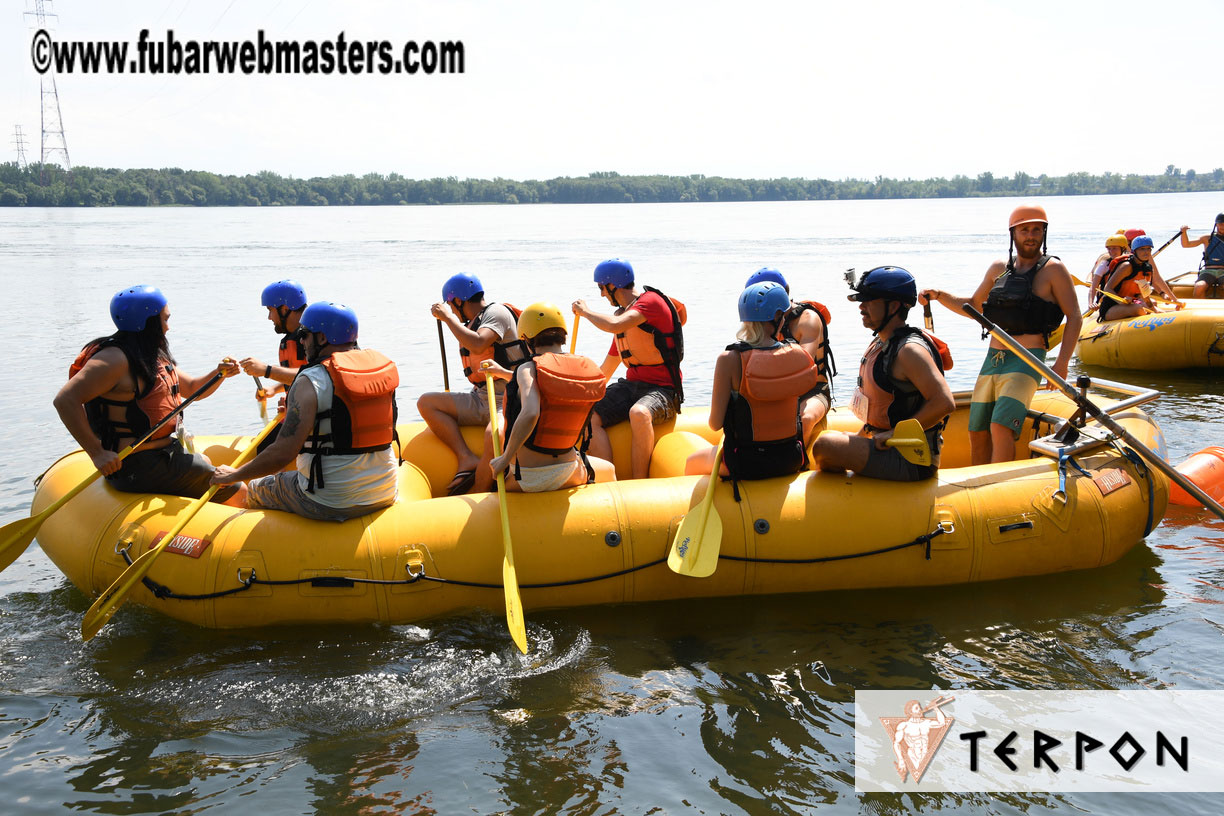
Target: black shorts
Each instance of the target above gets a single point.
(170, 471)
(765, 460)
(623, 394)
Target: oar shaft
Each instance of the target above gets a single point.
(442, 350)
(1095, 411)
(514, 604)
(1166, 243)
(574, 334)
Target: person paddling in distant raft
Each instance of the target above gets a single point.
(285, 301)
(121, 385)
(339, 424)
(548, 404)
(1133, 278)
(485, 331)
(806, 322)
(650, 341)
(900, 377)
(759, 385)
(1028, 296)
(1116, 245)
(1211, 271)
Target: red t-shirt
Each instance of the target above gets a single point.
(658, 314)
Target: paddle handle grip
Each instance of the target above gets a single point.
(1095, 411)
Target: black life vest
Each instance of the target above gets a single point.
(1213, 253)
(889, 399)
(1012, 305)
(826, 363)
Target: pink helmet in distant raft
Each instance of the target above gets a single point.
(1132, 234)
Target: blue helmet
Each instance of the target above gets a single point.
(761, 302)
(1142, 241)
(767, 273)
(132, 307)
(335, 321)
(614, 272)
(461, 287)
(288, 293)
(887, 283)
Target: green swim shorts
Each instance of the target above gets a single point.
(1005, 387)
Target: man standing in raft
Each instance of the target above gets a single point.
(548, 404)
(485, 331)
(285, 301)
(122, 385)
(900, 377)
(806, 322)
(650, 341)
(1211, 275)
(1028, 296)
(339, 423)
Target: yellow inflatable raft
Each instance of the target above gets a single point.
(1167, 339)
(1185, 291)
(608, 543)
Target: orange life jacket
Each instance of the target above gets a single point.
(826, 367)
(291, 354)
(881, 400)
(363, 410)
(570, 385)
(1129, 287)
(763, 433)
(139, 414)
(498, 351)
(647, 345)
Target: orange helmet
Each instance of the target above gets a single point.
(1027, 214)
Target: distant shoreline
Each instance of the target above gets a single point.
(52, 186)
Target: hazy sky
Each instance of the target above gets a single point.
(749, 89)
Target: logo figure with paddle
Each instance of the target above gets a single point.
(916, 737)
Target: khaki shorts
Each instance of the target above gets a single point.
(548, 477)
(283, 491)
(472, 407)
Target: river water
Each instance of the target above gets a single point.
(714, 706)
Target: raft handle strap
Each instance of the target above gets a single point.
(1064, 459)
(1142, 470)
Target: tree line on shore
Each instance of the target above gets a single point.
(52, 186)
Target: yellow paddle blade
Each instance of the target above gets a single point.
(16, 536)
(694, 550)
(109, 601)
(911, 441)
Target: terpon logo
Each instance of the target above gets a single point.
(1151, 323)
(1040, 741)
(916, 737)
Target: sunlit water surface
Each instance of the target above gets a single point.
(716, 706)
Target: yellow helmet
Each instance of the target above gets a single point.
(1117, 240)
(537, 317)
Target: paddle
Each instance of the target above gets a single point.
(1096, 413)
(16, 536)
(442, 349)
(110, 600)
(928, 319)
(514, 604)
(694, 550)
(1163, 246)
(911, 442)
(1100, 291)
(574, 334)
(262, 397)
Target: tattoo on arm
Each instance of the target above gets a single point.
(293, 418)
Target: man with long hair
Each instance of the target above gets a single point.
(123, 384)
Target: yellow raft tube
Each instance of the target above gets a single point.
(1165, 340)
(428, 556)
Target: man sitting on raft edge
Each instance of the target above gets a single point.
(900, 377)
(339, 422)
